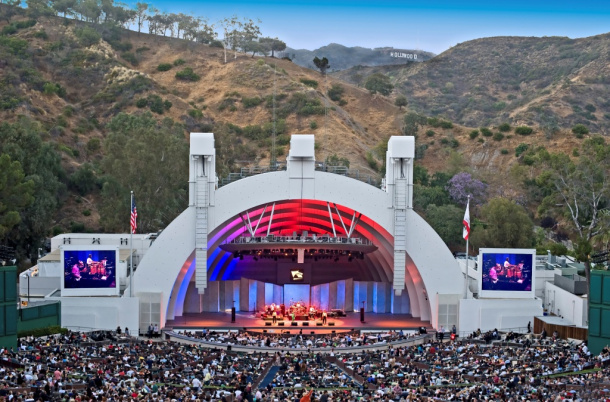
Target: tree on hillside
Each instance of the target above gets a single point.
(273, 45)
(413, 122)
(16, 194)
(141, 15)
(64, 7)
(42, 165)
(504, 224)
(204, 32)
(229, 26)
(463, 185)
(379, 83)
(580, 191)
(321, 64)
(446, 220)
(11, 10)
(401, 101)
(137, 144)
(39, 8)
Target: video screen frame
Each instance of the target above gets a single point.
(507, 273)
(89, 270)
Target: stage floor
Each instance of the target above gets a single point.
(373, 321)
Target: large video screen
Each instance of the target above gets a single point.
(507, 271)
(89, 269)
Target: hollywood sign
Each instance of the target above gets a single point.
(410, 56)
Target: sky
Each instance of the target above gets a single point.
(432, 26)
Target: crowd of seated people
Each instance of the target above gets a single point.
(74, 367)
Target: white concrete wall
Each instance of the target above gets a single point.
(503, 314)
(87, 313)
(542, 277)
(567, 305)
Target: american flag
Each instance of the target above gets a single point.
(134, 215)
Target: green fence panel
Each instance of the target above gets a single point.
(606, 290)
(596, 288)
(595, 314)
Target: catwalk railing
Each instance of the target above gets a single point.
(340, 170)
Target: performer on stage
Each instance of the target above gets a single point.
(76, 271)
(274, 315)
(493, 275)
(324, 316)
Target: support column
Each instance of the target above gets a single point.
(399, 183)
(202, 187)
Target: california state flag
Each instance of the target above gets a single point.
(466, 221)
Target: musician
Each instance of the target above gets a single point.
(507, 264)
(76, 271)
(274, 316)
(312, 312)
(90, 261)
(324, 317)
(493, 275)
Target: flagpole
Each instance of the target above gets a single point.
(467, 259)
(131, 248)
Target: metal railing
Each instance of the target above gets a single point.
(320, 167)
(300, 239)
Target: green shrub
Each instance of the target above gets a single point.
(120, 46)
(15, 45)
(473, 134)
(372, 162)
(309, 83)
(480, 140)
(187, 75)
(87, 212)
(313, 125)
(498, 136)
(142, 49)
(38, 332)
(167, 105)
(434, 122)
(131, 58)
(504, 151)
(87, 36)
(430, 133)
(156, 104)
(486, 132)
(504, 127)
(446, 124)
(42, 34)
(62, 121)
(164, 67)
(336, 92)
(216, 43)
(179, 62)
(445, 141)
(93, 145)
(524, 130)
(251, 102)
(580, 130)
(142, 102)
(195, 113)
(521, 148)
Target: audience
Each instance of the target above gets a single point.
(115, 367)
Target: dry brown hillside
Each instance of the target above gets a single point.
(74, 88)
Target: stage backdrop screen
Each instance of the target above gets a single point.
(507, 273)
(89, 269)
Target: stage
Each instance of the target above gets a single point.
(222, 321)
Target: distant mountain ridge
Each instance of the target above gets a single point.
(552, 82)
(342, 57)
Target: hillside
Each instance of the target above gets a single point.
(552, 82)
(94, 111)
(343, 57)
